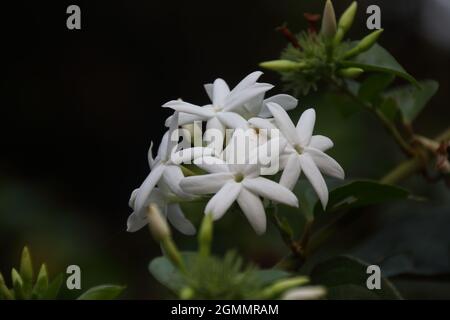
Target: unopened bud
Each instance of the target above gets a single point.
(281, 286)
(282, 65)
(158, 225)
(350, 73)
(305, 293)
(365, 44)
(345, 22)
(205, 235)
(328, 28)
(186, 293)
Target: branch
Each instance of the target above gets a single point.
(413, 165)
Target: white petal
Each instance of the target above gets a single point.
(286, 101)
(271, 190)
(305, 126)
(150, 155)
(325, 163)
(184, 118)
(147, 186)
(315, 178)
(232, 120)
(135, 222)
(189, 154)
(253, 209)
(243, 96)
(209, 88)
(205, 184)
(178, 220)
(291, 172)
(133, 198)
(173, 136)
(261, 124)
(162, 148)
(247, 81)
(284, 122)
(172, 176)
(220, 92)
(215, 134)
(211, 164)
(193, 109)
(321, 143)
(222, 200)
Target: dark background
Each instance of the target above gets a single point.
(80, 107)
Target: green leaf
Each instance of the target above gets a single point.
(380, 60)
(41, 286)
(26, 271)
(169, 276)
(411, 99)
(342, 102)
(345, 278)
(53, 288)
(361, 193)
(373, 85)
(356, 194)
(389, 109)
(17, 285)
(102, 292)
(269, 276)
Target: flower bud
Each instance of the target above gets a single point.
(186, 293)
(305, 293)
(205, 235)
(283, 285)
(328, 28)
(365, 44)
(282, 65)
(345, 22)
(158, 225)
(350, 73)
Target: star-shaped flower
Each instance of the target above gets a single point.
(236, 182)
(163, 198)
(305, 152)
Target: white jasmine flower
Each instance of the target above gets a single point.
(223, 107)
(165, 167)
(163, 198)
(257, 106)
(305, 293)
(305, 152)
(234, 182)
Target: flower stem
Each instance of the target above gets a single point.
(413, 165)
(286, 234)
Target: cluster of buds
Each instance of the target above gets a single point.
(313, 56)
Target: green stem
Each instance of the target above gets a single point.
(286, 234)
(413, 165)
(388, 125)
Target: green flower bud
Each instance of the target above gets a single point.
(350, 73)
(158, 225)
(280, 286)
(205, 235)
(282, 65)
(186, 293)
(365, 44)
(328, 28)
(345, 22)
